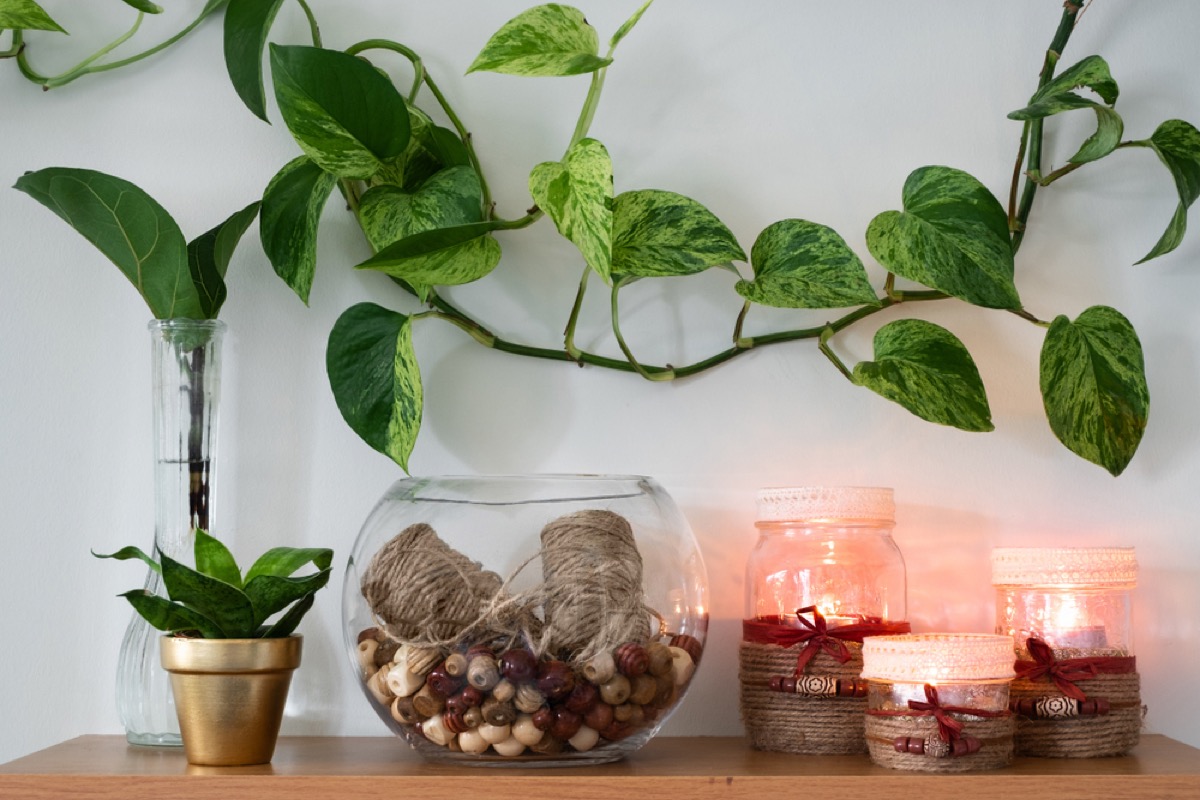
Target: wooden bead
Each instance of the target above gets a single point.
(365, 653)
(815, 685)
(422, 660)
(454, 721)
(401, 682)
(427, 702)
(584, 739)
(472, 696)
(666, 694)
(518, 665)
(555, 679)
(476, 650)
(566, 723)
(452, 745)
(548, 746)
(525, 731)
(852, 687)
(616, 691)
(643, 689)
(599, 716)
(505, 690)
(636, 716)
(582, 697)
(378, 687)
(649, 713)
(483, 673)
(600, 669)
(510, 747)
(631, 659)
(682, 666)
(965, 746)
(470, 741)
(1094, 706)
(434, 729)
(386, 651)
(455, 665)
(1059, 707)
(498, 713)
(368, 634)
(442, 682)
(495, 733)
(623, 712)
(473, 716)
(658, 658)
(456, 703)
(528, 699)
(404, 712)
(543, 718)
(616, 731)
(689, 644)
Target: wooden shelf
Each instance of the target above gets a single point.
(324, 768)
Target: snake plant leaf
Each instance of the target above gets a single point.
(344, 114)
(926, 369)
(375, 378)
(951, 236)
(1093, 381)
(287, 225)
(247, 23)
(577, 193)
(214, 560)
(661, 234)
(227, 606)
(1057, 96)
(800, 264)
(627, 25)
(287, 624)
(1177, 145)
(126, 553)
(449, 198)
(144, 5)
(164, 615)
(209, 255)
(281, 562)
(26, 15)
(431, 148)
(129, 227)
(549, 40)
(271, 594)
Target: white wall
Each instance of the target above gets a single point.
(761, 111)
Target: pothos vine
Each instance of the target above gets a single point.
(419, 192)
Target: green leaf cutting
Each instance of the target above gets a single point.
(800, 264)
(550, 40)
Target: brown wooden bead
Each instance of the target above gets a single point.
(582, 697)
(478, 650)
(367, 633)
(518, 665)
(776, 683)
(616, 691)
(555, 679)
(543, 718)
(548, 746)
(386, 652)
(658, 659)
(427, 702)
(456, 703)
(851, 687)
(650, 713)
(455, 723)
(498, 713)
(631, 659)
(505, 690)
(1094, 706)
(965, 746)
(455, 665)
(690, 644)
(599, 716)
(472, 696)
(665, 695)
(616, 731)
(566, 723)
(636, 715)
(473, 716)
(643, 689)
(404, 712)
(453, 746)
(623, 712)
(442, 682)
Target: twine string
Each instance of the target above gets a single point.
(1066, 672)
(949, 728)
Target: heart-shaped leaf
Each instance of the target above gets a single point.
(281, 562)
(209, 255)
(26, 15)
(659, 234)
(226, 605)
(342, 111)
(164, 615)
(1177, 145)
(577, 193)
(375, 378)
(546, 41)
(431, 148)
(952, 236)
(1057, 97)
(440, 257)
(214, 560)
(926, 369)
(451, 197)
(800, 264)
(271, 594)
(1093, 382)
(291, 211)
(247, 23)
(129, 227)
(1092, 73)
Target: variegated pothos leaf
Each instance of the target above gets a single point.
(451, 197)
(800, 264)
(288, 220)
(1177, 145)
(549, 40)
(577, 193)
(26, 15)
(658, 234)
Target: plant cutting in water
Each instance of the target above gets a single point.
(419, 192)
(216, 601)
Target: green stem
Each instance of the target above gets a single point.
(15, 48)
(83, 67)
(649, 373)
(738, 341)
(465, 135)
(823, 346)
(418, 65)
(590, 103)
(569, 331)
(1025, 315)
(312, 23)
(1016, 179)
(1034, 163)
(1046, 180)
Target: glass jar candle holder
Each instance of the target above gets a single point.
(939, 702)
(1068, 609)
(824, 574)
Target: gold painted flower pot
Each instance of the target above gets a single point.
(230, 694)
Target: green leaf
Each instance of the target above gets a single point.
(1093, 382)
(657, 234)
(165, 615)
(800, 264)
(1177, 145)
(214, 560)
(286, 624)
(375, 379)
(952, 236)
(926, 369)
(144, 5)
(129, 227)
(1109, 125)
(550, 40)
(440, 257)
(577, 193)
(270, 594)
(291, 211)
(227, 606)
(26, 15)
(343, 113)
(1092, 72)
(209, 255)
(280, 562)
(450, 198)
(126, 553)
(627, 25)
(431, 148)
(247, 23)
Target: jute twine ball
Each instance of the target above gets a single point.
(592, 573)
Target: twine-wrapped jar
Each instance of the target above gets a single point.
(938, 702)
(1077, 693)
(824, 574)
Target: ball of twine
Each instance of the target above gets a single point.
(592, 584)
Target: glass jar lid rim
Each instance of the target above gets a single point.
(930, 657)
(826, 503)
(1064, 566)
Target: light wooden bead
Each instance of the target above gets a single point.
(379, 688)
(434, 729)
(427, 702)
(510, 747)
(659, 656)
(665, 692)
(422, 660)
(404, 712)
(473, 717)
(483, 673)
(524, 731)
(366, 657)
(600, 669)
(616, 690)
(505, 690)
(643, 690)
(456, 665)
(637, 715)
(472, 741)
(623, 712)
(682, 666)
(585, 739)
(495, 733)
(401, 682)
(528, 699)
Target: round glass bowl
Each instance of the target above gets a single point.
(525, 620)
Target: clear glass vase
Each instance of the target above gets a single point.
(186, 375)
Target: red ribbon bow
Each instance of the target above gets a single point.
(1066, 672)
(816, 635)
(949, 728)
